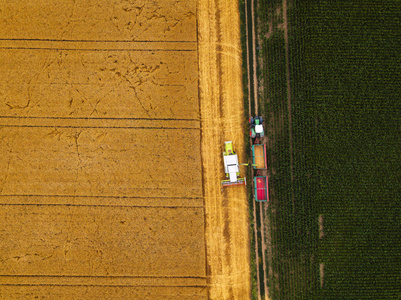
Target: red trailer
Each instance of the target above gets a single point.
(261, 185)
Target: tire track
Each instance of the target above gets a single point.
(263, 290)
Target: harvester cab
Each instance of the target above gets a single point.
(231, 166)
(256, 124)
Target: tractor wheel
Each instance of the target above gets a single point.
(252, 133)
(260, 120)
(250, 120)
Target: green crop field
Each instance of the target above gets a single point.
(335, 151)
(291, 134)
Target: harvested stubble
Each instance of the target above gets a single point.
(95, 241)
(131, 162)
(101, 184)
(120, 20)
(101, 292)
(77, 83)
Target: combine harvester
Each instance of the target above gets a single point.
(231, 167)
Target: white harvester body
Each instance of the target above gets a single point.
(231, 166)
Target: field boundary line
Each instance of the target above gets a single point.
(97, 45)
(104, 280)
(100, 205)
(93, 41)
(105, 276)
(99, 196)
(62, 122)
(95, 50)
(102, 201)
(98, 127)
(107, 285)
(97, 118)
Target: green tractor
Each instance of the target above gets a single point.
(256, 124)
